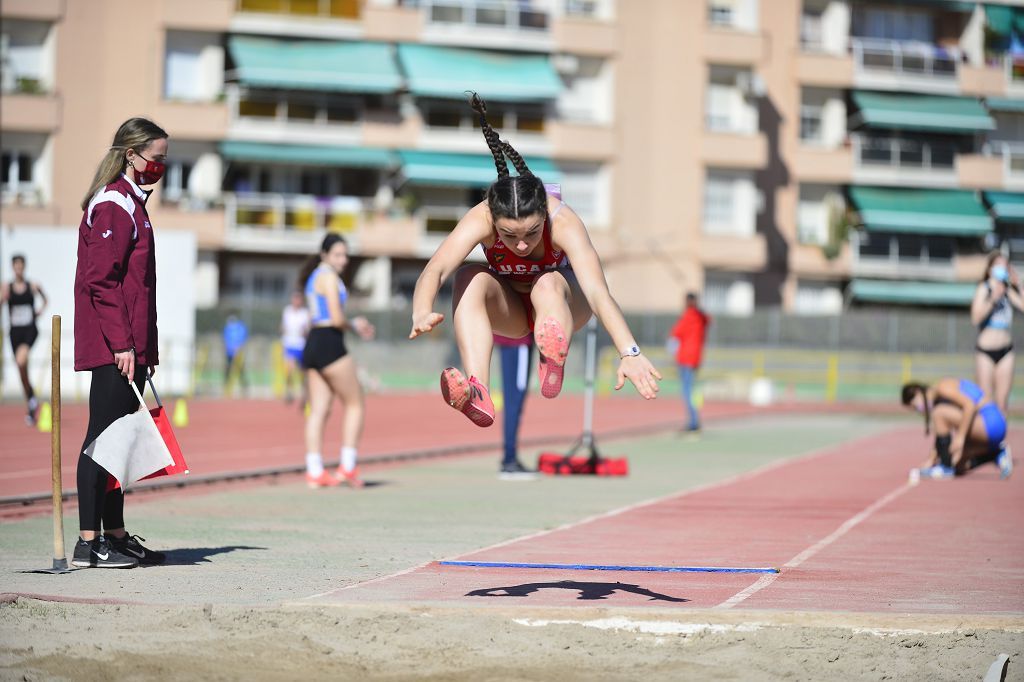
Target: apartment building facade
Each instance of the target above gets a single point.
(806, 154)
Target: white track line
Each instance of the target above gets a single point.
(803, 556)
(814, 454)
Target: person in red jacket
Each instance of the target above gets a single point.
(687, 336)
(115, 326)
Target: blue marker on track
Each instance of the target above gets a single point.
(599, 567)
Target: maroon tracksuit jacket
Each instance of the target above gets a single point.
(115, 283)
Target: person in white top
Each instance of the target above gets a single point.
(295, 324)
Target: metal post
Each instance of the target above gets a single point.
(589, 372)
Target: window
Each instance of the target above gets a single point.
(581, 8)
(730, 203)
(720, 13)
(585, 189)
(816, 206)
(443, 118)
(810, 122)
(811, 24)
(26, 56)
(728, 105)
(901, 25)
(728, 295)
(175, 184)
(193, 66)
(817, 298)
(22, 167)
(718, 201)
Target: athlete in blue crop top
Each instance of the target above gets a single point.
(998, 293)
(970, 430)
(330, 370)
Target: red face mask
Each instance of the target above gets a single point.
(151, 174)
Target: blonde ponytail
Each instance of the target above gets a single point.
(136, 134)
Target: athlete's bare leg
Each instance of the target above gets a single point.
(481, 307)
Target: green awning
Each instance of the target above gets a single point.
(447, 72)
(308, 155)
(914, 293)
(1007, 206)
(315, 65)
(950, 213)
(1004, 20)
(931, 113)
(1005, 104)
(462, 170)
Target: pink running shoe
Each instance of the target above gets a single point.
(324, 480)
(350, 477)
(468, 397)
(553, 346)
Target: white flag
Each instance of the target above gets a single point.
(131, 448)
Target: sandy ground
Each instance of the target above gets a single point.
(225, 607)
(54, 641)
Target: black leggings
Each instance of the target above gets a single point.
(110, 398)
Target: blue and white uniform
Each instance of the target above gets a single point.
(326, 343)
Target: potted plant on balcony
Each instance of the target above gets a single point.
(840, 219)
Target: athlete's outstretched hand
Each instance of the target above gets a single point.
(421, 324)
(639, 370)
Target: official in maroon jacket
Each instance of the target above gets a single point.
(115, 326)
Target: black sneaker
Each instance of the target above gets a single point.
(132, 546)
(98, 553)
(515, 471)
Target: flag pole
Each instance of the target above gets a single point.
(60, 560)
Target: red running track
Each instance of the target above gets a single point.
(842, 525)
(239, 435)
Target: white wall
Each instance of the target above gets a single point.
(51, 260)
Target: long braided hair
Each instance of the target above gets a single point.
(907, 395)
(510, 196)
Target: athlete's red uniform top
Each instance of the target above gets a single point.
(506, 263)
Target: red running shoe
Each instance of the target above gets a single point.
(324, 480)
(350, 477)
(468, 397)
(553, 346)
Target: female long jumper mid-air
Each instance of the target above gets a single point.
(542, 275)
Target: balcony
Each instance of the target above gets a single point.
(734, 149)
(194, 120)
(894, 65)
(392, 24)
(1010, 156)
(902, 161)
(41, 10)
(902, 257)
(199, 15)
(823, 164)
(582, 36)
(294, 118)
(208, 224)
(825, 70)
(726, 46)
(338, 19)
(807, 260)
(721, 252)
(581, 142)
(485, 23)
(289, 223)
(980, 171)
(30, 113)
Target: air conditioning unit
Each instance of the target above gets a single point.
(750, 84)
(566, 64)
